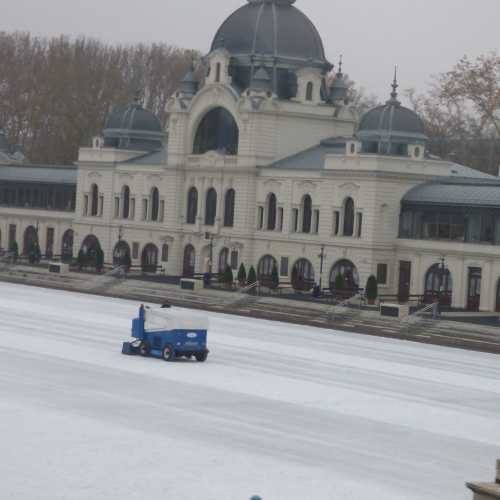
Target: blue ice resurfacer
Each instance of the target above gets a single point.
(168, 333)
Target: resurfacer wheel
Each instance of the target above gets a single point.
(144, 349)
(168, 353)
(202, 356)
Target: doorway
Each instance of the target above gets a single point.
(404, 281)
(474, 289)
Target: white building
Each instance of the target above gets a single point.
(265, 164)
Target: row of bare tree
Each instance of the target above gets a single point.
(56, 93)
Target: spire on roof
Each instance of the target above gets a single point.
(339, 72)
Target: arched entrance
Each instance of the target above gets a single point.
(121, 254)
(302, 275)
(438, 283)
(30, 240)
(89, 252)
(67, 246)
(189, 261)
(265, 271)
(344, 278)
(223, 260)
(149, 258)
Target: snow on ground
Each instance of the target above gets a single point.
(288, 412)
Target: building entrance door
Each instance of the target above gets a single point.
(404, 280)
(474, 289)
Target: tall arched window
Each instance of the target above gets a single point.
(229, 208)
(192, 206)
(149, 258)
(155, 203)
(223, 260)
(67, 246)
(217, 131)
(348, 217)
(302, 275)
(121, 254)
(306, 214)
(164, 253)
(211, 207)
(309, 91)
(271, 212)
(266, 267)
(188, 261)
(94, 197)
(349, 283)
(438, 283)
(126, 202)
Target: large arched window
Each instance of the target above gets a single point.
(265, 271)
(30, 242)
(155, 203)
(306, 214)
(271, 212)
(192, 206)
(348, 217)
(67, 246)
(94, 198)
(438, 283)
(89, 249)
(302, 275)
(126, 202)
(121, 254)
(223, 260)
(344, 278)
(229, 208)
(217, 131)
(188, 261)
(211, 207)
(149, 258)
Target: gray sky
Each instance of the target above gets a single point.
(422, 37)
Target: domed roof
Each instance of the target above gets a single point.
(392, 121)
(133, 127)
(271, 28)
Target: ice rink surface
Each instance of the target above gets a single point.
(285, 411)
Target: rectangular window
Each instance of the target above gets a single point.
(280, 219)
(336, 222)
(101, 205)
(144, 209)
(135, 250)
(359, 224)
(164, 253)
(405, 225)
(49, 244)
(284, 266)
(430, 226)
(487, 227)
(117, 207)
(382, 274)
(444, 227)
(473, 227)
(295, 220)
(86, 205)
(161, 215)
(12, 236)
(260, 218)
(132, 209)
(316, 221)
(234, 259)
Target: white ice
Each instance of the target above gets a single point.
(288, 412)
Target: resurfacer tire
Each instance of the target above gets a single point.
(144, 349)
(202, 356)
(168, 353)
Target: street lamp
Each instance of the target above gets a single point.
(321, 256)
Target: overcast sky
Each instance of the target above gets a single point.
(422, 37)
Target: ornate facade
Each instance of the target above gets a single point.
(266, 163)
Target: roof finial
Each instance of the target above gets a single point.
(394, 93)
(339, 72)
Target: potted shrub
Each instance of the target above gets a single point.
(242, 275)
(252, 277)
(371, 290)
(275, 279)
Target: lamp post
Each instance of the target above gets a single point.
(442, 272)
(321, 256)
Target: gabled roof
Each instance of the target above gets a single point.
(314, 157)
